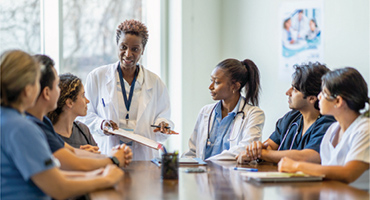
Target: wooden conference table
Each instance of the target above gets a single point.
(142, 180)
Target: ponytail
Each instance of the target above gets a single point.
(247, 74)
(252, 86)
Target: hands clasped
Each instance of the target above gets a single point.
(123, 153)
(90, 148)
(252, 152)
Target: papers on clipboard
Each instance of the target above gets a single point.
(264, 177)
(137, 138)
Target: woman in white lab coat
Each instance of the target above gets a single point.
(145, 102)
(223, 129)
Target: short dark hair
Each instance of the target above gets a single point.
(349, 84)
(307, 79)
(314, 21)
(133, 27)
(47, 74)
(247, 74)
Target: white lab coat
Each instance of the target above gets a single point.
(243, 131)
(154, 107)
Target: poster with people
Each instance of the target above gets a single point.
(301, 29)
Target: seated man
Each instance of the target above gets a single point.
(69, 157)
(298, 133)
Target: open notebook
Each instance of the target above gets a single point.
(279, 177)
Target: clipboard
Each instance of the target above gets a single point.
(137, 138)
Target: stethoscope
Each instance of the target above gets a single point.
(295, 135)
(296, 132)
(209, 123)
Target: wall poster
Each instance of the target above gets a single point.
(301, 24)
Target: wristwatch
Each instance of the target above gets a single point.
(115, 160)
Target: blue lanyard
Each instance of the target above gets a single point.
(127, 101)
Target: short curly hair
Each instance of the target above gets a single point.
(132, 27)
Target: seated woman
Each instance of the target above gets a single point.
(227, 126)
(71, 104)
(344, 149)
(28, 168)
(314, 31)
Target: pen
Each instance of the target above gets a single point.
(156, 162)
(161, 146)
(102, 100)
(156, 126)
(246, 169)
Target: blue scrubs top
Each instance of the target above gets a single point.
(54, 140)
(24, 153)
(288, 132)
(220, 131)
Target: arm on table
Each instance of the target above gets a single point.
(347, 173)
(58, 186)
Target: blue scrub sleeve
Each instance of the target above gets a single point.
(29, 150)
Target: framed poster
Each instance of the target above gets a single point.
(301, 30)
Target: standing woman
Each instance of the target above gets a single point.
(126, 95)
(344, 149)
(227, 126)
(71, 104)
(28, 168)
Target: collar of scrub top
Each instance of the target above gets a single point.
(291, 124)
(210, 115)
(127, 101)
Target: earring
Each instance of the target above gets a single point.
(335, 106)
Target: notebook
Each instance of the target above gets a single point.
(265, 177)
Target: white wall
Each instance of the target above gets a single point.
(213, 30)
(250, 31)
(191, 60)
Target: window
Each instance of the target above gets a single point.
(89, 32)
(20, 25)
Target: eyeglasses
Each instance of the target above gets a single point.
(328, 97)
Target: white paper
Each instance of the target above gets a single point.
(137, 138)
(224, 156)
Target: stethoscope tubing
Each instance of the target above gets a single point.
(292, 123)
(239, 112)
